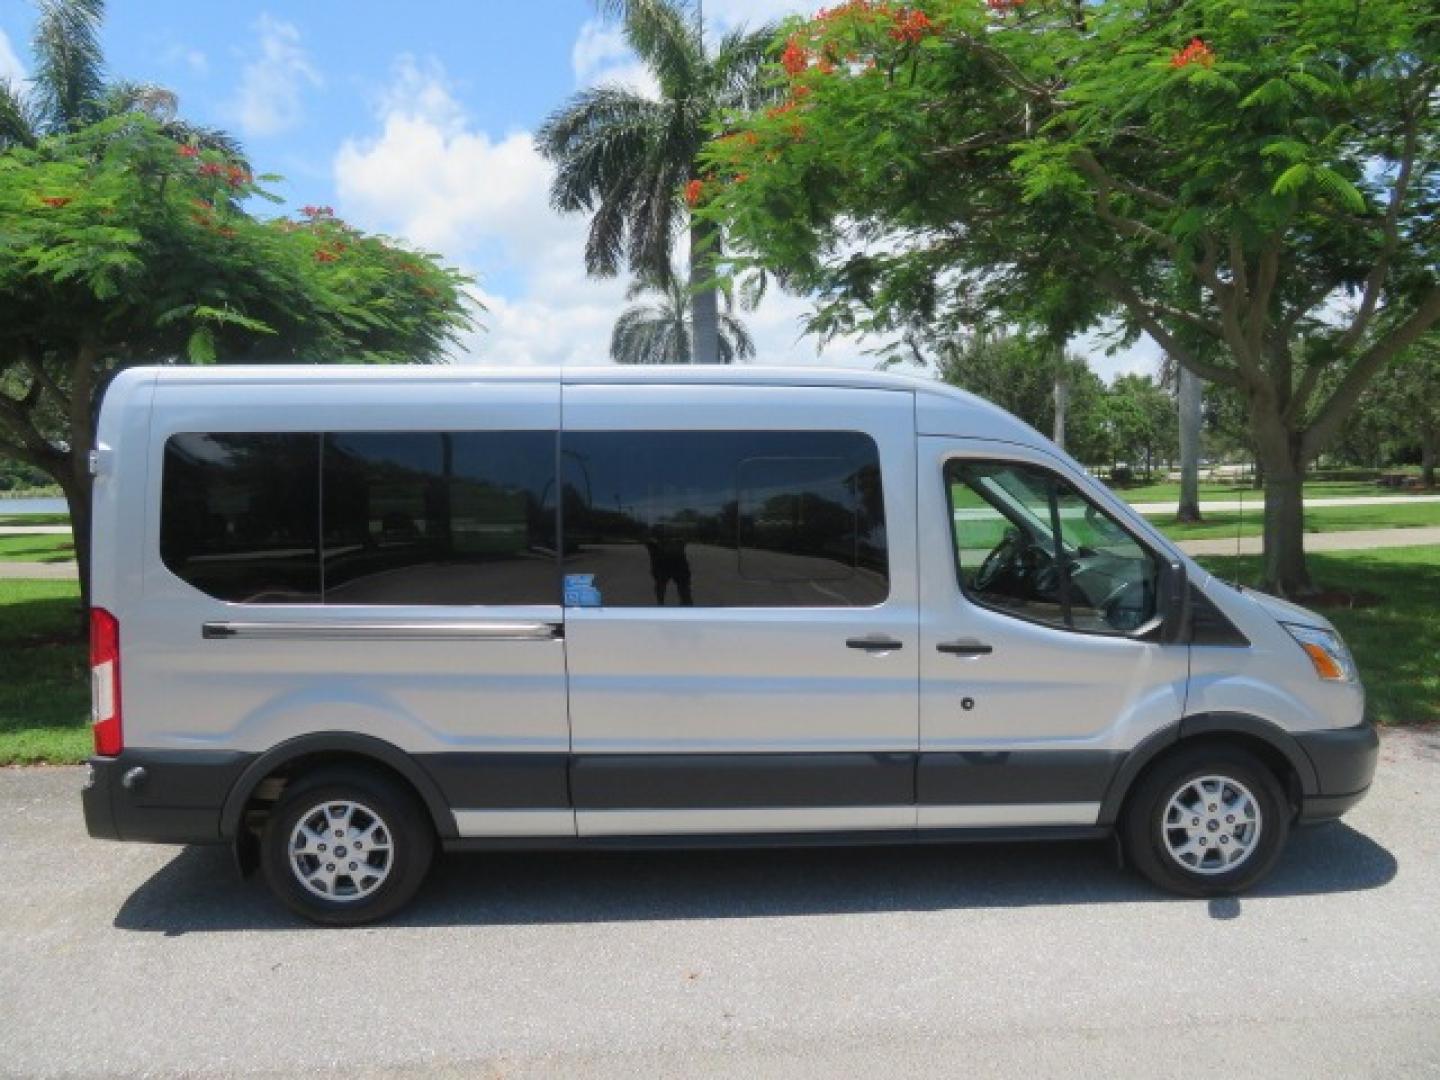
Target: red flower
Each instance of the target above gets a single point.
(693, 190)
(795, 58)
(1003, 5)
(188, 151)
(325, 256)
(317, 211)
(1197, 52)
(235, 175)
(55, 202)
(911, 26)
(210, 168)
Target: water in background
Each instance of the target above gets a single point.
(32, 506)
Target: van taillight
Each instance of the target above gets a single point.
(105, 682)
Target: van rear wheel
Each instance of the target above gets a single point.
(346, 846)
(1208, 821)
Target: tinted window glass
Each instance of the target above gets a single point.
(724, 519)
(440, 518)
(240, 515)
(1028, 542)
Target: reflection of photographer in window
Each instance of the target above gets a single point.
(668, 563)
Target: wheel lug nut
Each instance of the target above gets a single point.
(322, 847)
(330, 868)
(1224, 839)
(1195, 821)
(1230, 819)
(1212, 808)
(352, 866)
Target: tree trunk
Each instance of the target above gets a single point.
(77, 498)
(1062, 407)
(1429, 437)
(1281, 461)
(704, 303)
(1191, 389)
(1286, 573)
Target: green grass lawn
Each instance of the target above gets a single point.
(1396, 642)
(1222, 524)
(44, 696)
(45, 693)
(32, 519)
(1209, 490)
(35, 548)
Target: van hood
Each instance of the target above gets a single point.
(1286, 612)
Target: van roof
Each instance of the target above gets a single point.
(941, 409)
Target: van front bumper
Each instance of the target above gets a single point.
(161, 796)
(1344, 762)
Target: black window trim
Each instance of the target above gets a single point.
(1148, 632)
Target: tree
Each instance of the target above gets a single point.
(1223, 174)
(1141, 417)
(631, 162)
(1401, 412)
(120, 245)
(1189, 395)
(663, 332)
(1019, 374)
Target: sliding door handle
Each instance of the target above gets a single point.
(965, 647)
(874, 643)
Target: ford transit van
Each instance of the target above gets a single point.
(346, 617)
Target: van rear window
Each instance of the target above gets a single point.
(723, 519)
(240, 515)
(363, 518)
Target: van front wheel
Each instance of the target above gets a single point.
(1210, 821)
(345, 846)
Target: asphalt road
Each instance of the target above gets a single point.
(1040, 960)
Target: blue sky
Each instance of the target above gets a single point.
(416, 119)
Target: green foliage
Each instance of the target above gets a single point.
(1222, 175)
(1140, 416)
(118, 233)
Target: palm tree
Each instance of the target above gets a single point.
(69, 90)
(627, 159)
(663, 332)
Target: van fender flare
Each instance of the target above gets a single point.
(336, 742)
(1204, 724)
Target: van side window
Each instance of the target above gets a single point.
(240, 515)
(445, 518)
(1029, 544)
(431, 517)
(724, 519)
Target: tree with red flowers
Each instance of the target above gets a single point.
(1253, 184)
(126, 238)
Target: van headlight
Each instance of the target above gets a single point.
(1326, 651)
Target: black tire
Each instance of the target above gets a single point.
(1144, 828)
(404, 823)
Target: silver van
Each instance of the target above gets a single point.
(345, 616)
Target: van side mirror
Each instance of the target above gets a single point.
(1173, 603)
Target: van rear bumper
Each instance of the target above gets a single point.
(161, 796)
(1344, 762)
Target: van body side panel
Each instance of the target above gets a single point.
(476, 692)
(680, 709)
(1047, 715)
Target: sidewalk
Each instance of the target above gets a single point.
(1355, 540)
(1257, 503)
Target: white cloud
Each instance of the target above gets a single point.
(10, 66)
(269, 98)
(600, 55)
(483, 200)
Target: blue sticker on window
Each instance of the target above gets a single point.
(580, 591)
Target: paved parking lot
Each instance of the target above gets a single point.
(1040, 960)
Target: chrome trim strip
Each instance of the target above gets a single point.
(745, 819)
(384, 631)
(515, 822)
(1000, 815)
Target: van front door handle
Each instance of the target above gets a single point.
(966, 647)
(874, 644)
